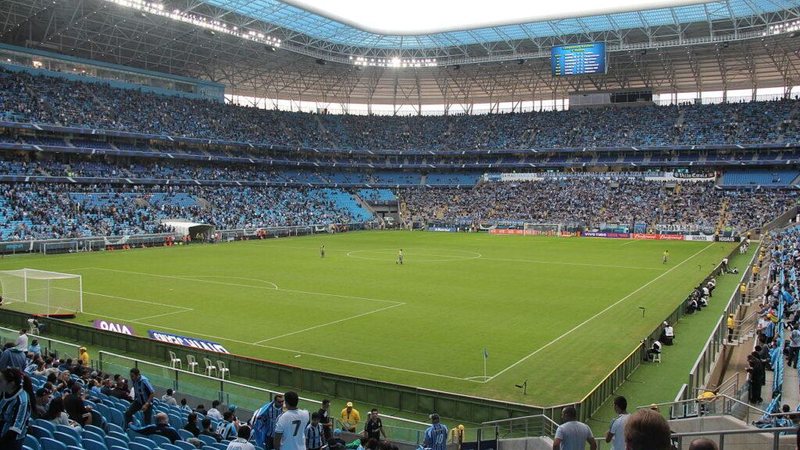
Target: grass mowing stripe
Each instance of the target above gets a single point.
(596, 315)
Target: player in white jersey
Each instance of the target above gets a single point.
(290, 431)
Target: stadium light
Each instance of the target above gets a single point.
(155, 8)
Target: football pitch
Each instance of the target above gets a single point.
(558, 312)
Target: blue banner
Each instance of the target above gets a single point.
(199, 344)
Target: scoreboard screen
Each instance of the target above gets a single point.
(580, 59)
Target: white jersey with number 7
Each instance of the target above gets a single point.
(292, 427)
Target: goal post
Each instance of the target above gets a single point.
(42, 292)
(542, 229)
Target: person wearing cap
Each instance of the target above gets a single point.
(436, 434)
(350, 418)
(84, 356)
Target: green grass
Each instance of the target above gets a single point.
(558, 312)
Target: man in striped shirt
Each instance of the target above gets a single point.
(264, 420)
(435, 435)
(15, 409)
(314, 433)
(143, 393)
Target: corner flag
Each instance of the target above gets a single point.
(485, 353)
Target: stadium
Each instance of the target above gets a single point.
(501, 218)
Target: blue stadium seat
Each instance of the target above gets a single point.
(183, 445)
(91, 444)
(138, 446)
(207, 439)
(46, 424)
(120, 436)
(31, 442)
(185, 434)
(116, 447)
(40, 432)
(144, 441)
(117, 417)
(66, 429)
(112, 441)
(67, 439)
(51, 444)
(114, 427)
(86, 434)
(95, 429)
(169, 447)
(159, 440)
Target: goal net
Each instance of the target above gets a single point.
(42, 292)
(542, 229)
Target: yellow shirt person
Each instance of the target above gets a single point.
(350, 418)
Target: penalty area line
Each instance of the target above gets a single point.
(529, 355)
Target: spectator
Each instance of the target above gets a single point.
(57, 415)
(143, 396)
(315, 436)
(191, 424)
(214, 412)
(616, 432)
(647, 430)
(373, 428)
(169, 398)
(350, 418)
(161, 428)
(572, 434)
(15, 409)
(208, 431)
(264, 420)
(242, 441)
(325, 419)
(292, 419)
(703, 444)
(436, 434)
(14, 357)
(84, 357)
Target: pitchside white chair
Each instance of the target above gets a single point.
(223, 370)
(191, 362)
(657, 358)
(209, 367)
(174, 361)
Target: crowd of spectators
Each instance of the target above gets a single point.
(54, 211)
(597, 201)
(50, 100)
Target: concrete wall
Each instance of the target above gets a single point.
(749, 441)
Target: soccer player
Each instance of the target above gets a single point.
(290, 429)
(400, 257)
(436, 435)
(665, 257)
(322, 251)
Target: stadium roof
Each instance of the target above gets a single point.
(347, 28)
(274, 50)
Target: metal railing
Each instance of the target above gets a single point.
(754, 438)
(718, 405)
(516, 427)
(51, 347)
(247, 398)
(701, 369)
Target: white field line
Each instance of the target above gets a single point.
(287, 350)
(329, 323)
(595, 316)
(276, 288)
(181, 308)
(536, 261)
(629, 242)
(162, 315)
